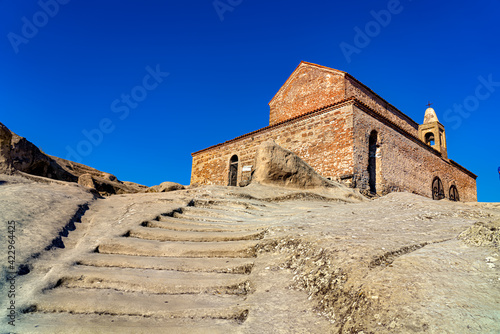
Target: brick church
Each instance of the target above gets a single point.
(346, 132)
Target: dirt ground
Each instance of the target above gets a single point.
(249, 260)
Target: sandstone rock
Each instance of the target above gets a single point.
(28, 158)
(106, 187)
(277, 166)
(482, 234)
(165, 187)
(17, 154)
(109, 177)
(86, 180)
(5, 158)
(244, 183)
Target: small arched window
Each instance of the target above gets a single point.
(454, 194)
(429, 138)
(437, 189)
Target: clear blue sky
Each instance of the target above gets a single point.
(83, 67)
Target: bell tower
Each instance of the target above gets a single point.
(432, 132)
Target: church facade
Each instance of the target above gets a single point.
(348, 133)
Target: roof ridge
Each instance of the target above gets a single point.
(302, 62)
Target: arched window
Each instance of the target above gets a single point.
(429, 138)
(233, 171)
(454, 194)
(372, 161)
(437, 189)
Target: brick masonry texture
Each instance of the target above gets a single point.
(404, 164)
(324, 141)
(362, 93)
(326, 116)
(308, 88)
(312, 87)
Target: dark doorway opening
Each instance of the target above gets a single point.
(372, 162)
(233, 171)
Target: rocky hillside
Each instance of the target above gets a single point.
(258, 259)
(17, 154)
(290, 253)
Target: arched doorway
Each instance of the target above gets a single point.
(454, 194)
(437, 189)
(233, 171)
(372, 162)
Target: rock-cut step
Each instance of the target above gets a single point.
(205, 218)
(177, 225)
(226, 204)
(140, 247)
(215, 213)
(153, 281)
(219, 225)
(166, 235)
(217, 265)
(110, 302)
(85, 323)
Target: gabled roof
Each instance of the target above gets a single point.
(344, 74)
(294, 73)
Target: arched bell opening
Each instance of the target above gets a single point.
(429, 139)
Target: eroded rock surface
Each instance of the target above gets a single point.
(278, 166)
(42, 213)
(265, 259)
(165, 187)
(5, 159)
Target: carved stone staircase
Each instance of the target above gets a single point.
(187, 266)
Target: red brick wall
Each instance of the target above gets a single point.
(309, 88)
(404, 164)
(363, 94)
(325, 141)
(312, 87)
(335, 143)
